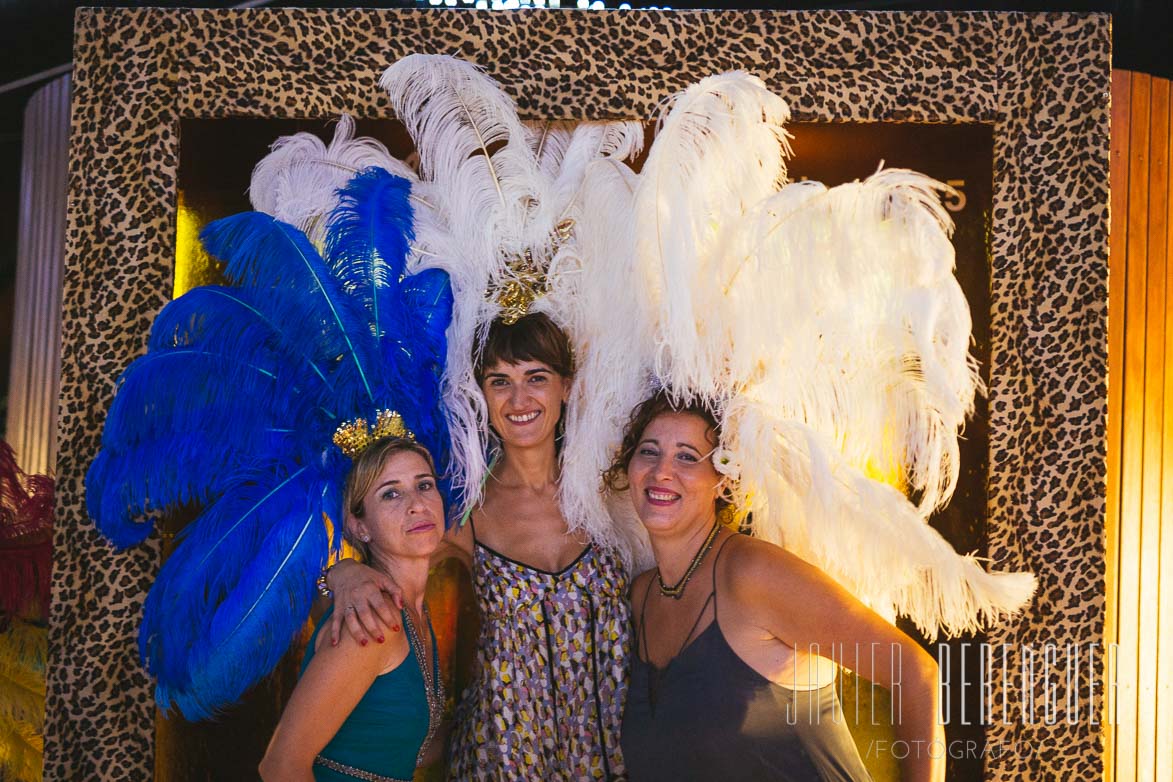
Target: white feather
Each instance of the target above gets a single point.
(720, 150)
(863, 532)
(472, 146)
(831, 327)
(611, 326)
(549, 141)
(297, 182)
(591, 141)
(497, 188)
(477, 159)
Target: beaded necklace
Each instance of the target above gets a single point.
(433, 686)
(676, 591)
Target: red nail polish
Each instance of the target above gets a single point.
(381, 639)
(363, 642)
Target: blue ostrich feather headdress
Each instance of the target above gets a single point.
(234, 407)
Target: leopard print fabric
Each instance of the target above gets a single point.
(1048, 377)
(1042, 79)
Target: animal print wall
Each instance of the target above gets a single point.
(1042, 80)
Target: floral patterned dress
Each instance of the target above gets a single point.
(547, 694)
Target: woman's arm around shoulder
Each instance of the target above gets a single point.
(333, 683)
(361, 592)
(457, 544)
(809, 611)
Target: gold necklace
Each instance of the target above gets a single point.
(676, 591)
(433, 687)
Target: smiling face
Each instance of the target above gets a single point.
(672, 479)
(402, 511)
(525, 402)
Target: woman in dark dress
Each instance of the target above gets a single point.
(724, 684)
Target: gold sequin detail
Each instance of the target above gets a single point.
(527, 279)
(353, 437)
(433, 686)
(351, 771)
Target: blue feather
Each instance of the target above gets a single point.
(368, 240)
(253, 627)
(166, 404)
(214, 567)
(242, 321)
(233, 409)
(428, 296)
(258, 248)
(183, 468)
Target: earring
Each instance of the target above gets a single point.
(365, 538)
(560, 427)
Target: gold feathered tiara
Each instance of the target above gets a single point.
(527, 281)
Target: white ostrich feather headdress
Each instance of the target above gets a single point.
(828, 328)
(497, 201)
(507, 191)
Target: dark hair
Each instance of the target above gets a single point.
(615, 478)
(532, 338)
(363, 472)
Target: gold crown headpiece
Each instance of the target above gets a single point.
(354, 437)
(527, 281)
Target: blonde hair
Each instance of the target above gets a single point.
(366, 468)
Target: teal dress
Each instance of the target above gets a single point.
(384, 737)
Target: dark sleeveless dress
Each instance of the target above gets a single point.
(707, 715)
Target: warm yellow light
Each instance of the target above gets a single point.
(193, 265)
(885, 467)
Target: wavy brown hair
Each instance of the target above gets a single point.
(615, 478)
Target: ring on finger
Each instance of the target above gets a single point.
(350, 608)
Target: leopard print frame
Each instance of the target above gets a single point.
(1041, 79)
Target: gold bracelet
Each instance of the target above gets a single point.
(323, 585)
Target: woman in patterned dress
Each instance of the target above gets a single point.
(546, 696)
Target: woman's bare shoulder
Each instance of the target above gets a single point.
(373, 654)
(752, 566)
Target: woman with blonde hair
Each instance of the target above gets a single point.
(362, 708)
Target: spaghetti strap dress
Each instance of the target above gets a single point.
(546, 696)
(707, 715)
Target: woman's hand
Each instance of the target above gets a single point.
(360, 601)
